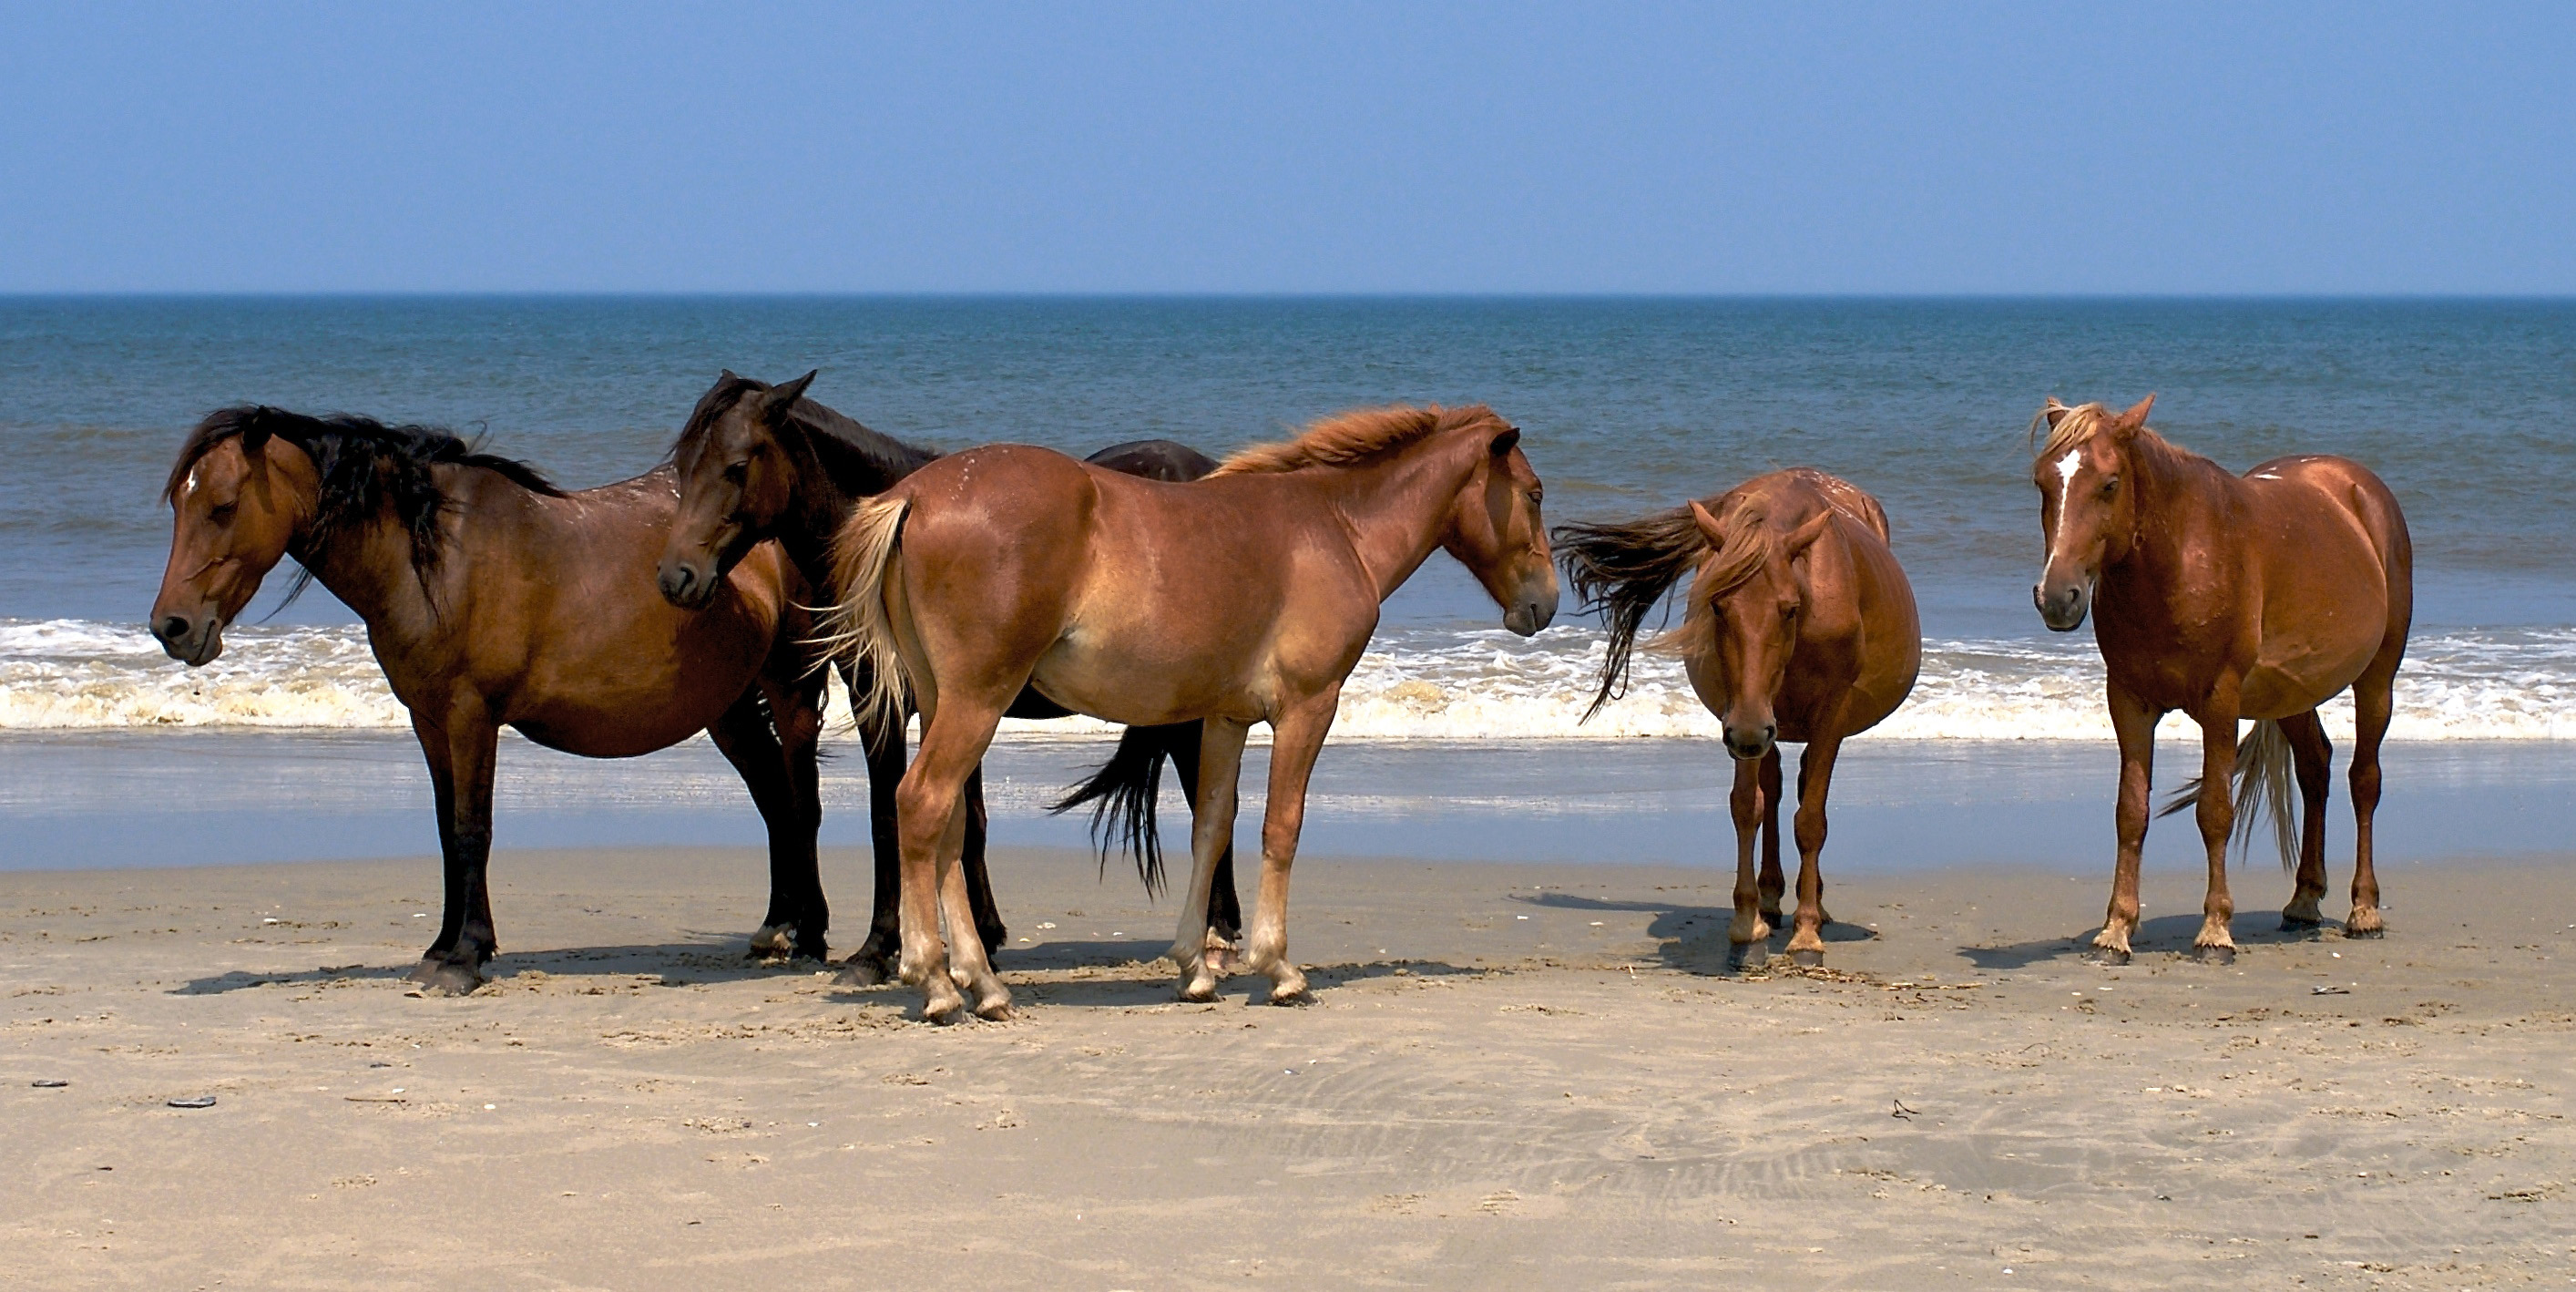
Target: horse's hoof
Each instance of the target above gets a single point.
(773, 942)
(1773, 919)
(1807, 959)
(994, 1011)
(2113, 956)
(856, 972)
(1291, 996)
(2214, 955)
(1747, 955)
(2294, 924)
(446, 979)
(2351, 932)
(1193, 993)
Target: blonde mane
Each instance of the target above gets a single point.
(2077, 428)
(1745, 543)
(1355, 437)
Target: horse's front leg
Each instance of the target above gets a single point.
(2135, 724)
(761, 756)
(1212, 809)
(1773, 882)
(1297, 735)
(454, 966)
(1815, 776)
(2216, 812)
(883, 741)
(1748, 932)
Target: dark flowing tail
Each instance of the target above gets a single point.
(1123, 794)
(2264, 784)
(1623, 570)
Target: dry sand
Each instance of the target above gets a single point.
(1514, 1077)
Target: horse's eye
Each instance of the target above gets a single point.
(2110, 486)
(1537, 496)
(222, 513)
(737, 472)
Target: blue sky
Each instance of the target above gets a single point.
(1921, 148)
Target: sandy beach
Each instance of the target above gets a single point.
(1514, 1076)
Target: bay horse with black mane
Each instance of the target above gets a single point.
(1244, 597)
(1800, 627)
(2227, 597)
(759, 463)
(493, 598)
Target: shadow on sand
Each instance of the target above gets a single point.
(2162, 934)
(1693, 938)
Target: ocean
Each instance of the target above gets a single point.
(2468, 408)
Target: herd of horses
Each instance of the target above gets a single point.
(1187, 598)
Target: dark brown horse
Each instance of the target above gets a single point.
(2226, 597)
(759, 463)
(1244, 597)
(1800, 627)
(493, 598)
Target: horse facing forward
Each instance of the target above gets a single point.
(2257, 596)
(1244, 597)
(492, 597)
(1800, 627)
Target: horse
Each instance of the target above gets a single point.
(1800, 627)
(2257, 596)
(492, 597)
(1247, 596)
(759, 463)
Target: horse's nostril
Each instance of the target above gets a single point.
(173, 628)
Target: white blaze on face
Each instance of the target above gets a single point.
(190, 485)
(2066, 468)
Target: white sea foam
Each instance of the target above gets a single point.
(1415, 684)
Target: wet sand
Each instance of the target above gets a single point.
(1514, 1076)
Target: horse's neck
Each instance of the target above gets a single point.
(2170, 503)
(831, 479)
(1397, 511)
(367, 565)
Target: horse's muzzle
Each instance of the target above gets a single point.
(1749, 743)
(1531, 617)
(2063, 611)
(190, 641)
(687, 585)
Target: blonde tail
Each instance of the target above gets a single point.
(855, 628)
(2265, 784)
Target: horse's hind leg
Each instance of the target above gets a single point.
(1212, 804)
(955, 731)
(454, 964)
(1746, 934)
(1773, 883)
(2312, 756)
(1815, 775)
(766, 760)
(970, 859)
(2372, 700)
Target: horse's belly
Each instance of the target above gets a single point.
(1138, 691)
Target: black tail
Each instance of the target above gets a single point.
(1123, 793)
(1623, 571)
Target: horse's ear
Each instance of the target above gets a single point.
(775, 404)
(1506, 442)
(1805, 536)
(1707, 524)
(254, 438)
(2054, 412)
(2128, 423)
(724, 375)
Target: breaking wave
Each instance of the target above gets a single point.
(1415, 684)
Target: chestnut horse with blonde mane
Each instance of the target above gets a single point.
(2257, 596)
(1244, 597)
(1800, 627)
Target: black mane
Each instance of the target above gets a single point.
(859, 460)
(365, 465)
